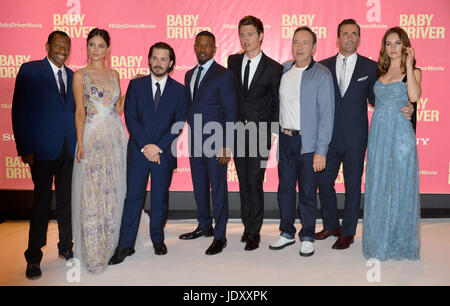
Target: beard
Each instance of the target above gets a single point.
(162, 71)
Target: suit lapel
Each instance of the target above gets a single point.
(149, 94)
(353, 79)
(205, 79)
(69, 81)
(258, 73)
(50, 80)
(164, 95)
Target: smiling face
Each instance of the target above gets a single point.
(204, 48)
(249, 38)
(160, 62)
(58, 50)
(303, 48)
(348, 39)
(97, 48)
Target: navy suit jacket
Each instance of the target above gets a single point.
(350, 120)
(41, 118)
(147, 126)
(215, 100)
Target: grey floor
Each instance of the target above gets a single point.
(187, 265)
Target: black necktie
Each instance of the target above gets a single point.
(157, 96)
(197, 79)
(62, 87)
(246, 74)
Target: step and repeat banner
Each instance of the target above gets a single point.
(134, 25)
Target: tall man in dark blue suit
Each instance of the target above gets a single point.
(212, 98)
(354, 76)
(155, 112)
(43, 117)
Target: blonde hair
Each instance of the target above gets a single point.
(384, 61)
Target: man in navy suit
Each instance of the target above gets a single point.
(43, 117)
(354, 76)
(155, 112)
(211, 95)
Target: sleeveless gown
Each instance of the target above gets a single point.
(391, 207)
(99, 181)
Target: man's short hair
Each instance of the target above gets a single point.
(54, 33)
(252, 20)
(307, 29)
(206, 33)
(348, 21)
(166, 46)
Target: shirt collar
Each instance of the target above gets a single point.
(207, 64)
(162, 82)
(256, 59)
(352, 58)
(54, 67)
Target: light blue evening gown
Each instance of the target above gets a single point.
(391, 205)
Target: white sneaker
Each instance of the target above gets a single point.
(281, 242)
(307, 249)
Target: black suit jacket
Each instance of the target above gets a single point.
(350, 115)
(262, 101)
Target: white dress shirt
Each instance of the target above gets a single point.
(55, 73)
(253, 65)
(162, 85)
(290, 98)
(350, 67)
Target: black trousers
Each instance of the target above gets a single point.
(42, 173)
(251, 170)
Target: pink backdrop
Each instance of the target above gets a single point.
(134, 25)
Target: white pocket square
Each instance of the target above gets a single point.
(363, 78)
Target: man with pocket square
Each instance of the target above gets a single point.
(354, 76)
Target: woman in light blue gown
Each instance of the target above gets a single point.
(391, 207)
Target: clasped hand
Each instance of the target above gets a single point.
(151, 152)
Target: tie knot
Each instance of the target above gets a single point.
(344, 60)
(248, 62)
(60, 72)
(200, 68)
(157, 85)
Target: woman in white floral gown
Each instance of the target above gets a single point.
(99, 174)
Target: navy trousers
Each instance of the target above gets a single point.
(137, 178)
(295, 169)
(206, 175)
(353, 166)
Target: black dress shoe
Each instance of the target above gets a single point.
(216, 247)
(160, 248)
(120, 254)
(33, 271)
(197, 233)
(65, 254)
(252, 242)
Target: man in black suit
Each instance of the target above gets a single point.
(43, 117)
(257, 79)
(354, 76)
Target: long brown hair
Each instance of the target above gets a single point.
(384, 61)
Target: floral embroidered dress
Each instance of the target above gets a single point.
(99, 181)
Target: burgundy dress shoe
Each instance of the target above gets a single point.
(324, 234)
(197, 233)
(252, 242)
(343, 242)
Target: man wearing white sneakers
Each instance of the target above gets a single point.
(306, 126)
